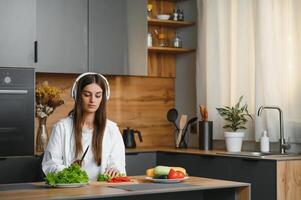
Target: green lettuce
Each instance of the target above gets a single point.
(71, 174)
(103, 177)
(107, 177)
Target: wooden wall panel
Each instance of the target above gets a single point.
(162, 7)
(136, 102)
(161, 65)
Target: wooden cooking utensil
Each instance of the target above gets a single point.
(204, 113)
(183, 121)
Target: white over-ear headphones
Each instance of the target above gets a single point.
(74, 87)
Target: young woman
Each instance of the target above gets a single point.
(87, 126)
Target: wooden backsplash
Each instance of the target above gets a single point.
(136, 102)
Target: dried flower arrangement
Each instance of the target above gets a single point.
(47, 99)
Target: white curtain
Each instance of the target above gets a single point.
(251, 48)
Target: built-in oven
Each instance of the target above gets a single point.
(17, 96)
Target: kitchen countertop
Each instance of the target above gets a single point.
(208, 153)
(101, 190)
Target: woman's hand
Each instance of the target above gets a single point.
(112, 172)
(77, 162)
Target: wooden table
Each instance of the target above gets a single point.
(198, 188)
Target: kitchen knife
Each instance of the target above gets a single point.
(81, 160)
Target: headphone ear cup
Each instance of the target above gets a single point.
(74, 93)
(73, 90)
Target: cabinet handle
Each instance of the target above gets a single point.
(35, 51)
(13, 91)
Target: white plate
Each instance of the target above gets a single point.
(157, 180)
(69, 185)
(163, 17)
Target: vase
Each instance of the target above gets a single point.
(42, 135)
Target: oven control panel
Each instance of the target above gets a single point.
(16, 77)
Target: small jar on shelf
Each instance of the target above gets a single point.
(149, 40)
(177, 41)
(181, 15)
(175, 14)
(162, 40)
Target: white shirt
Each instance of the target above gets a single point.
(60, 151)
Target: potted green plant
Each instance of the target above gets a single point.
(236, 117)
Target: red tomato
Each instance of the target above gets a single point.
(120, 179)
(180, 174)
(175, 174)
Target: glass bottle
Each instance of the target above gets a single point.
(177, 41)
(175, 15)
(149, 40)
(181, 15)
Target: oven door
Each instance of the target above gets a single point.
(16, 122)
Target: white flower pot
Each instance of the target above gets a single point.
(234, 141)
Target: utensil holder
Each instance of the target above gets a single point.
(184, 140)
(205, 135)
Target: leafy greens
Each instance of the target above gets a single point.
(107, 177)
(71, 174)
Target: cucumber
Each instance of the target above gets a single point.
(161, 170)
(161, 177)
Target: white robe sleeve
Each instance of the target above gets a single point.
(117, 156)
(53, 155)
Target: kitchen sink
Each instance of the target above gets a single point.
(259, 154)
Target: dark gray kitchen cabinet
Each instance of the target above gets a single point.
(74, 36)
(214, 167)
(61, 29)
(262, 174)
(117, 37)
(189, 161)
(137, 37)
(20, 169)
(17, 33)
(138, 163)
(196, 165)
(107, 36)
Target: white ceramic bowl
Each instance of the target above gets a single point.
(163, 17)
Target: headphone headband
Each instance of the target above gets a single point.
(74, 87)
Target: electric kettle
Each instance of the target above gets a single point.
(129, 139)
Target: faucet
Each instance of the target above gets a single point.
(283, 145)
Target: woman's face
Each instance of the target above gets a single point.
(91, 97)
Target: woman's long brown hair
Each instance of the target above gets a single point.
(99, 121)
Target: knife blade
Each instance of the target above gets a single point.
(83, 156)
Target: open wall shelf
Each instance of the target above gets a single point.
(169, 50)
(170, 23)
